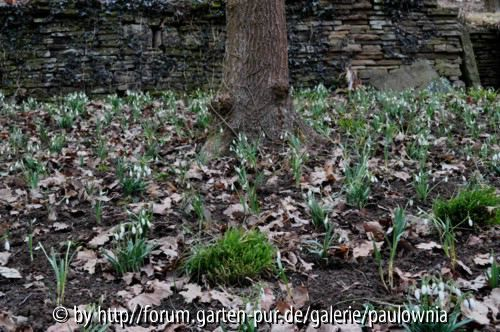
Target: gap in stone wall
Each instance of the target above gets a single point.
(486, 43)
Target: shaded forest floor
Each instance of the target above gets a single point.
(87, 171)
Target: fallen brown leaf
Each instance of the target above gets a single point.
(160, 291)
(4, 258)
(9, 273)
(191, 292)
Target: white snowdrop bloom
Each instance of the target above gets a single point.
(325, 222)
(470, 222)
(441, 286)
(417, 294)
(458, 292)
(467, 303)
(472, 303)
(140, 231)
(249, 308)
(441, 295)
(431, 288)
(492, 259)
(133, 230)
(122, 231)
(6, 245)
(117, 237)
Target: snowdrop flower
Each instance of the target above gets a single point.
(469, 303)
(417, 294)
(6, 245)
(441, 295)
(278, 259)
(470, 222)
(249, 308)
(133, 230)
(472, 303)
(458, 292)
(441, 286)
(422, 141)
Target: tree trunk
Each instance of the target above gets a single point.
(254, 98)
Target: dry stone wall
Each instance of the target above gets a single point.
(58, 46)
(469, 5)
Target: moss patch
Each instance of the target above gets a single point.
(481, 205)
(238, 256)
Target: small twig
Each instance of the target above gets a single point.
(366, 299)
(25, 299)
(223, 120)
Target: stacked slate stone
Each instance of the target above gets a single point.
(54, 47)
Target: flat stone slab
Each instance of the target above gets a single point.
(415, 76)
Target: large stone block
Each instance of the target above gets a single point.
(416, 76)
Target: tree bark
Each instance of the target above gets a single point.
(254, 98)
